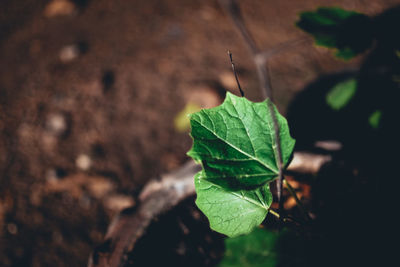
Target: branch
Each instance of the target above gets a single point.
(233, 10)
(157, 197)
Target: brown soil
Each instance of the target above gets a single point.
(88, 98)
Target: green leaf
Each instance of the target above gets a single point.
(347, 31)
(340, 95)
(257, 249)
(181, 121)
(236, 144)
(375, 119)
(231, 212)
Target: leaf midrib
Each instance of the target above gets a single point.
(238, 149)
(236, 194)
(244, 175)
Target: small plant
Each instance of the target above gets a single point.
(243, 146)
(237, 146)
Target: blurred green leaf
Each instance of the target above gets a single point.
(349, 32)
(181, 121)
(375, 119)
(340, 95)
(257, 249)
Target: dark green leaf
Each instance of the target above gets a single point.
(340, 95)
(231, 212)
(347, 31)
(235, 142)
(375, 119)
(255, 249)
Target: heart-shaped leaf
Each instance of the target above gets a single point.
(232, 212)
(236, 144)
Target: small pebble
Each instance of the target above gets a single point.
(56, 123)
(83, 162)
(69, 53)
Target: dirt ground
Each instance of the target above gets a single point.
(88, 94)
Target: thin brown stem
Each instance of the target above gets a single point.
(235, 73)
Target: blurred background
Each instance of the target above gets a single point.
(90, 99)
